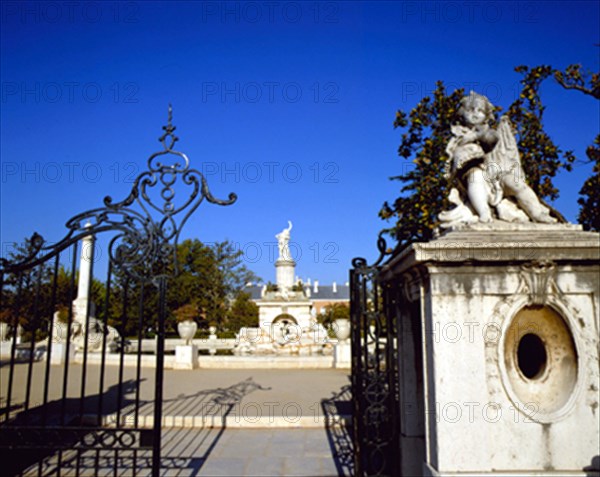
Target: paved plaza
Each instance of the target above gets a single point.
(227, 422)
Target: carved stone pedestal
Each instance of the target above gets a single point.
(59, 353)
(186, 357)
(342, 355)
(498, 359)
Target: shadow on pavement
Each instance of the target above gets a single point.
(35, 439)
(184, 450)
(339, 431)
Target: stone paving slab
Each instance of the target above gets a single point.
(225, 452)
(271, 398)
(256, 392)
(203, 398)
(272, 452)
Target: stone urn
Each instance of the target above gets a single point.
(341, 328)
(187, 329)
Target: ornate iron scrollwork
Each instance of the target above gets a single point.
(145, 229)
(143, 241)
(360, 263)
(374, 367)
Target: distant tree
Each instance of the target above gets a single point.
(243, 312)
(187, 312)
(200, 281)
(22, 293)
(209, 279)
(132, 306)
(335, 311)
(212, 276)
(230, 262)
(32, 296)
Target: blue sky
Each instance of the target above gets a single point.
(288, 104)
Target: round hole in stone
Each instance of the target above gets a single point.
(531, 356)
(540, 359)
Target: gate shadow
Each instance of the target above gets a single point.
(184, 450)
(337, 411)
(196, 424)
(56, 420)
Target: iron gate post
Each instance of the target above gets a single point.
(375, 379)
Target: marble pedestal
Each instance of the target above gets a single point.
(186, 357)
(342, 355)
(212, 340)
(499, 365)
(58, 355)
(285, 271)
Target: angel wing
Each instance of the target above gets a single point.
(503, 159)
(505, 156)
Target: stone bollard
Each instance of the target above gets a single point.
(186, 357)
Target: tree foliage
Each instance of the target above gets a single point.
(243, 312)
(423, 192)
(209, 284)
(589, 214)
(588, 83)
(31, 297)
(540, 157)
(332, 312)
(583, 81)
(211, 276)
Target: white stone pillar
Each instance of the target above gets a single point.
(506, 319)
(342, 355)
(86, 259)
(285, 271)
(59, 353)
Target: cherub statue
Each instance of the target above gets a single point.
(485, 170)
(283, 239)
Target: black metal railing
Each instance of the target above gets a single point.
(375, 374)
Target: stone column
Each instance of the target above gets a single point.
(499, 357)
(86, 260)
(285, 271)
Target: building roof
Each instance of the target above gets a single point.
(324, 292)
(254, 291)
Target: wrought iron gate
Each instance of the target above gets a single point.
(92, 411)
(375, 378)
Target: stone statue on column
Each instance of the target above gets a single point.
(85, 324)
(285, 265)
(283, 239)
